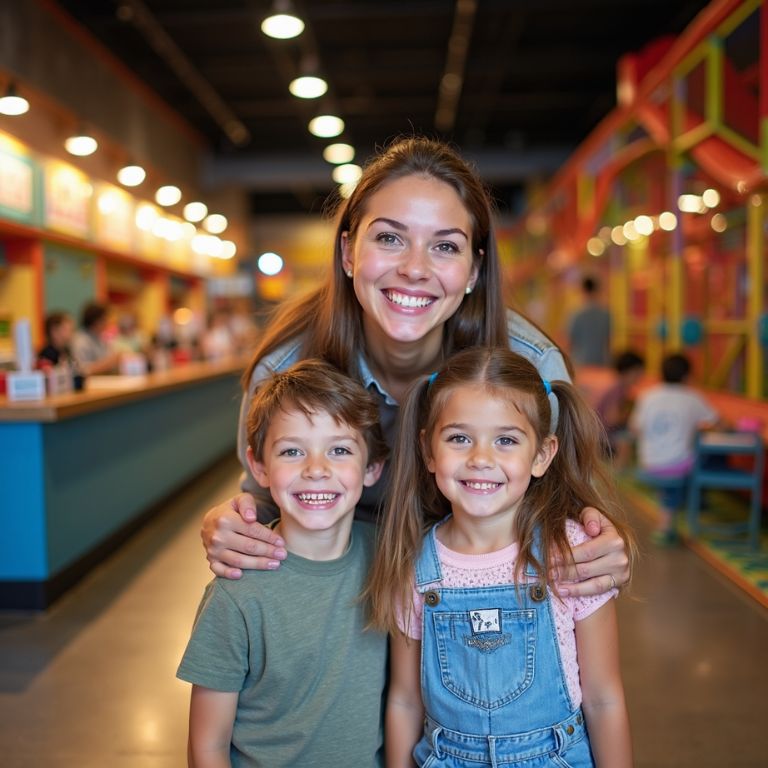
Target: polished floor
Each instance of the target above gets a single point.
(91, 682)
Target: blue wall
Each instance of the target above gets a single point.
(70, 279)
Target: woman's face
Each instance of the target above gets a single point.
(411, 258)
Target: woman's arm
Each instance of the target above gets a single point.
(405, 711)
(598, 564)
(597, 645)
(211, 717)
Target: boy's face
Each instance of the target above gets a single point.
(315, 468)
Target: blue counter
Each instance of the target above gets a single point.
(80, 472)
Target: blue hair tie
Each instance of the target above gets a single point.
(547, 386)
(431, 378)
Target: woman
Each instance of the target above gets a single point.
(415, 277)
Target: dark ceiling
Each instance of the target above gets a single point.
(534, 77)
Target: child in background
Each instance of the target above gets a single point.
(509, 671)
(665, 420)
(59, 331)
(615, 406)
(284, 672)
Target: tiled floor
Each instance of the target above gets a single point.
(91, 682)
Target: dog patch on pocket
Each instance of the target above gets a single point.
(485, 620)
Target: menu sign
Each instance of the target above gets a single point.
(16, 186)
(67, 199)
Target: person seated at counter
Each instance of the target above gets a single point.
(91, 351)
(59, 332)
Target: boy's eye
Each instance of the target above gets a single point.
(290, 452)
(340, 450)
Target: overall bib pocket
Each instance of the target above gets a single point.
(486, 655)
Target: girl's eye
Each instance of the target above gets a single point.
(506, 441)
(459, 439)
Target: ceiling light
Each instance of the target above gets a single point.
(269, 263)
(349, 173)
(12, 104)
(691, 204)
(228, 249)
(339, 153)
(710, 198)
(81, 145)
(667, 221)
(131, 175)
(595, 247)
(644, 225)
(326, 126)
(308, 87)
(215, 223)
(195, 211)
(168, 195)
(282, 26)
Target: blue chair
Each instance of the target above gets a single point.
(725, 444)
(660, 482)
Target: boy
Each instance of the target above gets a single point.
(665, 420)
(283, 671)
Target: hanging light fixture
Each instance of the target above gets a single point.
(326, 126)
(168, 195)
(131, 175)
(195, 211)
(11, 103)
(81, 144)
(339, 153)
(308, 87)
(282, 23)
(215, 223)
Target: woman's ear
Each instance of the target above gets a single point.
(347, 262)
(544, 456)
(258, 468)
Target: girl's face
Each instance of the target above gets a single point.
(411, 258)
(315, 469)
(483, 453)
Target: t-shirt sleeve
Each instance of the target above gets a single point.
(217, 655)
(409, 622)
(582, 607)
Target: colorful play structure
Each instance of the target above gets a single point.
(665, 202)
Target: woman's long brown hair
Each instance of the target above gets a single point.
(577, 477)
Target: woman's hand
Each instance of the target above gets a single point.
(234, 541)
(599, 564)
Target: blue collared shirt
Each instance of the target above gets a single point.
(524, 338)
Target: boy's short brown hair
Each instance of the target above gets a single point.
(313, 386)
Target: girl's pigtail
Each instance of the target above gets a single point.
(401, 529)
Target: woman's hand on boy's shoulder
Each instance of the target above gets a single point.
(235, 542)
(599, 564)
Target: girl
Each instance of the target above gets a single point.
(487, 666)
(414, 278)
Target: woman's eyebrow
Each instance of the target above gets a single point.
(404, 228)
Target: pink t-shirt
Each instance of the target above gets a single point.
(497, 568)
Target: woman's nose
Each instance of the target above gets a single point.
(415, 263)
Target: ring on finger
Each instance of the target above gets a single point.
(613, 582)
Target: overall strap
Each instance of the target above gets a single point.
(428, 564)
(536, 552)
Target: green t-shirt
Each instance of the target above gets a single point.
(292, 643)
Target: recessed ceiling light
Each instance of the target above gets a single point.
(81, 145)
(308, 87)
(326, 126)
(339, 153)
(131, 175)
(282, 26)
(168, 195)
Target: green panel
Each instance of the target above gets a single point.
(104, 469)
(70, 279)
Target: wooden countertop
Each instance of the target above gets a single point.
(103, 392)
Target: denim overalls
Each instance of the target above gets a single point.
(492, 683)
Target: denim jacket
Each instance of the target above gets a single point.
(524, 338)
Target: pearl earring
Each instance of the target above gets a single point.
(349, 273)
(468, 289)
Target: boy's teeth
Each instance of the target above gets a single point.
(482, 486)
(317, 498)
(408, 301)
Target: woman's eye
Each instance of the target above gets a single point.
(387, 238)
(448, 247)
